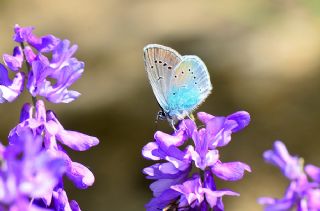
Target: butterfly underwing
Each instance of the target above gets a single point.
(179, 83)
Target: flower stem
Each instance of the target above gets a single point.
(34, 99)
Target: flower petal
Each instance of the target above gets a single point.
(26, 112)
(61, 200)
(162, 201)
(242, 118)
(231, 171)
(213, 196)
(15, 61)
(169, 140)
(313, 172)
(271, 204)
(74, 140)
(161, 185)
(80, 175)
(21, 33)
(29, 54)
(10, 92)
(74, 205)
(191, 190)
(204, 117)
(148, 149)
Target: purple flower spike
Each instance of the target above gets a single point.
(15, 61)
(174, 189)
(300, 194)
(33, 165)
(10, 89)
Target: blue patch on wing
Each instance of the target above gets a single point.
(182, 99)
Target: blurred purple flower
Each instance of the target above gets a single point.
(45, 123)
(173, 186)
(27, 171)
(301, 193)
(290, 166)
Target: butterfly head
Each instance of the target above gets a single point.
(161, 115)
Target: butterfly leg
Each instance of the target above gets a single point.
(172, 124)
(191, 116)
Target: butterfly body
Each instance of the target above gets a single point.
(180, 83)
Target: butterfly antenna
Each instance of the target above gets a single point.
(156, 122)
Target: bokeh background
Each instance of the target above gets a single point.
(263, 57)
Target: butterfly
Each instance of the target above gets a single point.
(179, 83)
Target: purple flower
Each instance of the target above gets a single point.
(174, 188)
(27, 171)
(289, 165)
(45, 76)
(43, 44)
(63, 69)
(10, 89)
(46, 124)
(193, 193)
(301, 193)
(15, 61)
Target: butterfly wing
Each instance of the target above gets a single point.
(189, 86)
(160, 61)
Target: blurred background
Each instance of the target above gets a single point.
(263, 57)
